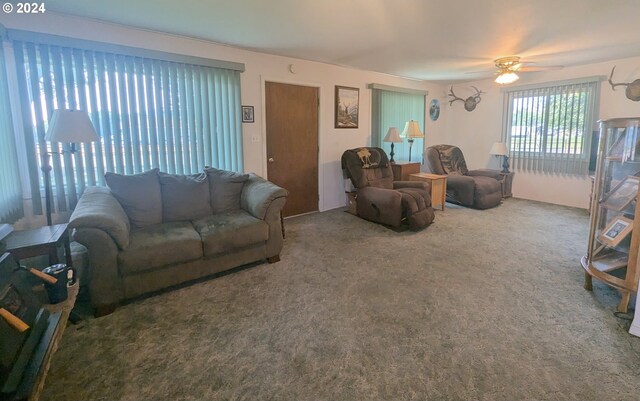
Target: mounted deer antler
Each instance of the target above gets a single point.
(471, 102)
(633, 88)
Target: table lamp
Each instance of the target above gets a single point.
(393, 137)
(411, 131)
(65, 126)
(500, 149)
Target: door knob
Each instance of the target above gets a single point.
(271, 160)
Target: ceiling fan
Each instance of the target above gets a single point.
(508, 66)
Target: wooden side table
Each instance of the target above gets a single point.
(401, 170)
(40, 241)
(438, 187)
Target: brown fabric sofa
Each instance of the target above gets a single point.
(153, 230)
(480, 189)
(379, 198)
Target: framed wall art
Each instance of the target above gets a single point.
(247, 114)
(347, 102)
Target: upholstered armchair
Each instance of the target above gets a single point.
(379, 198)
(480, 189)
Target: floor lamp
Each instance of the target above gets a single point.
(65, 126)
(411, 131)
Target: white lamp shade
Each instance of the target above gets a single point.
(412, 130)
(392, 136)
(499, 149)
(507, 78)
(70, 126)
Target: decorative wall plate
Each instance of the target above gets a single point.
(434, 109)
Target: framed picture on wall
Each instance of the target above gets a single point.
(347, 102)
(247, 114)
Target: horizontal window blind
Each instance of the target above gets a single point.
(11, 208)
(393, 109)
(148, 113)
(548, 128)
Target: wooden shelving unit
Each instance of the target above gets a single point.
(614, 233)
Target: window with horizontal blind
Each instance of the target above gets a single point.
(11, 194)
(393, 107)
(549, 127)
(148, 112)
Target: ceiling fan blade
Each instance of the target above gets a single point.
(540, 68)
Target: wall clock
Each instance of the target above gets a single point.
(434, 109)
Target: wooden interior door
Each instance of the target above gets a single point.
(292, 144)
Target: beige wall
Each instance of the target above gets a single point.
(476, 131)
(260, 67)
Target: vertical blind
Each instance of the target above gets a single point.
(148, 113)
(394, 109)
(548, 128)
(11, 195)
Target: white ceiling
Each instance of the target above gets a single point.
(421, 39)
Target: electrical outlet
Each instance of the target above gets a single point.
(255, 138)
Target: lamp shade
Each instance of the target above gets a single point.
(392, 136)
(70, 126)
(507, 77)
(499, 149)
(412, 130)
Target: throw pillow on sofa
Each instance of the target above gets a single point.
(184, 197)
(225, 188)
(139, 195)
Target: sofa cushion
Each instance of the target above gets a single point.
(160, 245)
(184, 197)
(139, 195)
(226, 232)
(487, 192)
(225, 188)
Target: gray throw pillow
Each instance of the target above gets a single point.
(225, 188)
(139, 195)
(184, 197)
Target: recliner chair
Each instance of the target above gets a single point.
(480, 189)
(379, 198)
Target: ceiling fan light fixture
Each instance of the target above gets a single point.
(507, 77)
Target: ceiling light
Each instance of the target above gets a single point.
(507, 77)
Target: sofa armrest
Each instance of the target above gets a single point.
(485, 172)
(258, 194)
(412, 184)
(105, 284)
(98, 208)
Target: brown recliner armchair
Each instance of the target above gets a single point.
(379, 198)
(480, 189)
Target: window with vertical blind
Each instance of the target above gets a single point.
(549, 127)
(393, 107)
(11, 194)
(148, 111)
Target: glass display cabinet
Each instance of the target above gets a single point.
(614, 232)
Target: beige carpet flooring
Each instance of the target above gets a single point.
(482, 305)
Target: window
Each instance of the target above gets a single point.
(393, 107)
(11, 193)
(548, 128)
(148, 112)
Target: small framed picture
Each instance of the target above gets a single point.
(617, 229)
(347, 100)
(247, 114)
(622, 194)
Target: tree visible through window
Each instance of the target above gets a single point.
(549, 128)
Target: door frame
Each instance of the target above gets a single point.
(263, 81)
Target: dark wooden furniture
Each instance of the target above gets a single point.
(402, 170)
(507, 182)
(40, 241)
